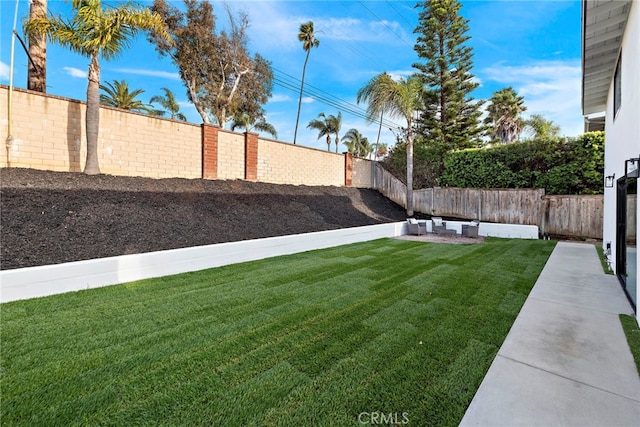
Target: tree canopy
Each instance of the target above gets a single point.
(376, 104)
(117, 95)
(169, 103)
(326, 126)
(221, 77)
(246, 122)
(450, 116)
(538, 126)
(504, 118)
(357, 144)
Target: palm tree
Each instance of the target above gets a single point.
(370, 94)
(96, 32)
(117, 95)
(169, 103)
(336, 124)
(537, 126)
(357, 144)
(309, 40)
(246, 122)
(400, 99)
(37, 71)
(324, 126)
(381, 150)
(504, 115)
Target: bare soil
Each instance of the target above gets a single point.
(54, 217)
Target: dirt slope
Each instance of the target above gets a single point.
(53, 217)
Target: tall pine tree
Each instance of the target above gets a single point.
(451, 116)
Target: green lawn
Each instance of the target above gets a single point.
(317, 338)
(603, 260)
(632, 332)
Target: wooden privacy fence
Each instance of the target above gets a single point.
(576, 216)
(390, 186)
(504, 206)
(579, 216)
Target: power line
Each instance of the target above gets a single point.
(386, 25)
(398, 13)
(342, 107)
(292, 83)
(359, 48)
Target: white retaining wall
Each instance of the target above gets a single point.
(487, 229)
(507, 231)
(33, 282)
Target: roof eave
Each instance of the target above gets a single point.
(603, 24)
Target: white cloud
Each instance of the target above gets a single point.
(275, 29)
(275, 25)
(550, 88)
(150, 73)
(279, 98)
(398, 74)
(395, 74)
(4, 71)
(536, 71)
(307, 100)
(76, 72)
(336, 27)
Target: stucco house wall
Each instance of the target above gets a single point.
(622, 137)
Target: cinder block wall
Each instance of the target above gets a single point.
(230, 155)
(362, 176)
(139, 145)
(49, 131)
(49, 134)
(283, 163)
(46, 132)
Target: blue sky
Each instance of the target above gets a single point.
(533, 46)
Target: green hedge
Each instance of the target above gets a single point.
(427, 164)
(560, 166)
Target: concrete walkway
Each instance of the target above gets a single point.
(565, 361)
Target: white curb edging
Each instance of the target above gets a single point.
(34, 282)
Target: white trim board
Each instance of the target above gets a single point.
(34, 282)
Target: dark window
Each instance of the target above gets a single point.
(617, 88)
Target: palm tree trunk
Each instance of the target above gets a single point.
(93, 117)
(37, 71)
(304, 69)
(337, 142)
(409, 171)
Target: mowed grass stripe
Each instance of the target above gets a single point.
(311, 338)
